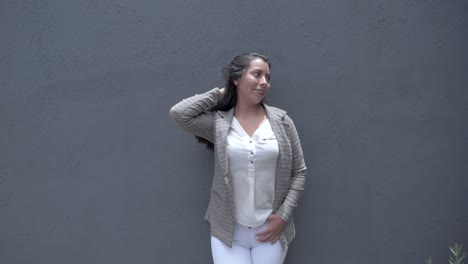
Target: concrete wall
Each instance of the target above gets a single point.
(92, 170)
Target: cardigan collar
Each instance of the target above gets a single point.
(272, 112)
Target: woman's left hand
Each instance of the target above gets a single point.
(273, 231)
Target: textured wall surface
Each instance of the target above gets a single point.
(92, 170)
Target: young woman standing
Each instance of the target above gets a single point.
(259, 166)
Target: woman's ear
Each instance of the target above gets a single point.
(236, 82)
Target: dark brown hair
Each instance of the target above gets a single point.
(233, 72)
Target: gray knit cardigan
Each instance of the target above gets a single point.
(193, 115)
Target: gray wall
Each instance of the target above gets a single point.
(92, 170)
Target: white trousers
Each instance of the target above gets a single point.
(246, 249)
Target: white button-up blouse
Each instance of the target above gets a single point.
(252, 164)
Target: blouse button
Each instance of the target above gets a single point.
(251, 161)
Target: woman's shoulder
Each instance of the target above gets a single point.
(278, 113)
(273, 110)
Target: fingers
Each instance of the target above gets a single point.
(272, 232)
(264, 232)
(262, 239)
(274, 240)
(268, 235)
(264, 236)
(267, 238)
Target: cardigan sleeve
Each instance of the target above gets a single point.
(298, 175)
(193, 114)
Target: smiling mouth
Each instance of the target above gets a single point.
(260, 91)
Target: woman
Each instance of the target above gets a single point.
(259, 167)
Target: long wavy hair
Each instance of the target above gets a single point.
(233, 72)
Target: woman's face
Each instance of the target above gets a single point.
(254, 83)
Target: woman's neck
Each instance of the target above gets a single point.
(244, 110)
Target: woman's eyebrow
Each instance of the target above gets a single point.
(260, 70)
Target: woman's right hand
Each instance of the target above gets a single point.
(222, 91)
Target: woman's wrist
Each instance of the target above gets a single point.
(222, 91)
